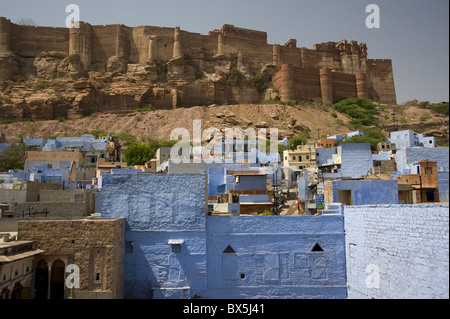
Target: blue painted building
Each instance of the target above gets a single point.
(407, 138)
(351, 160)
(365, 192)
(174, 250)
(407, 157)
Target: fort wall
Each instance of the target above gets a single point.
(380, 74)
(193, 67)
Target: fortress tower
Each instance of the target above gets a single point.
(326, 85)
(5, 35)
(80, 43)
(197, 67)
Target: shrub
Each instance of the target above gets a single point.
(235, 74)
(424, 104)
(6, 121)
(260, 81)
(40, 85)
(145, 109)
(99, 133)
(361, 111)
(442, 108)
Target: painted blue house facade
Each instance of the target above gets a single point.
(174, 250)
(365, 192)
(408, 156)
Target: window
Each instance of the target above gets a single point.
(317, 248)
(229, 250)
(176, 245)
(428, 170)
(129, 247)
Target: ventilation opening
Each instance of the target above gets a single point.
(229, 250)
(317, 248)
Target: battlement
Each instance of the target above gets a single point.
(352, 47)
(379, 61)
(165, 56)
(229, 30)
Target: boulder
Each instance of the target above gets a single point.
(71, 68)
(261, 124)
(116, 65)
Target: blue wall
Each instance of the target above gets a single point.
(368, 192)
(272, 257)
(159, 208)
(272, 252)
(415, 154)
(356, 159)
(443, 187)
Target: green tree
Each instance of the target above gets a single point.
(126, 138)
(138, 154)
(13, 157)
(300, 139)
(371, 135)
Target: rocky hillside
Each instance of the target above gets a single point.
(290, 120)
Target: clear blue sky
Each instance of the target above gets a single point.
(413, 33)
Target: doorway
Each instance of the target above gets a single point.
(57, 280)
(345, 197)
(41, 280)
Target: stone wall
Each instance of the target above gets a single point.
(80, 242)
(54, 210)
(159, 208)
(397, 251)
(173, 250)
(381, 76)
(174, 57)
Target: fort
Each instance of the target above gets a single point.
(170, 68)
